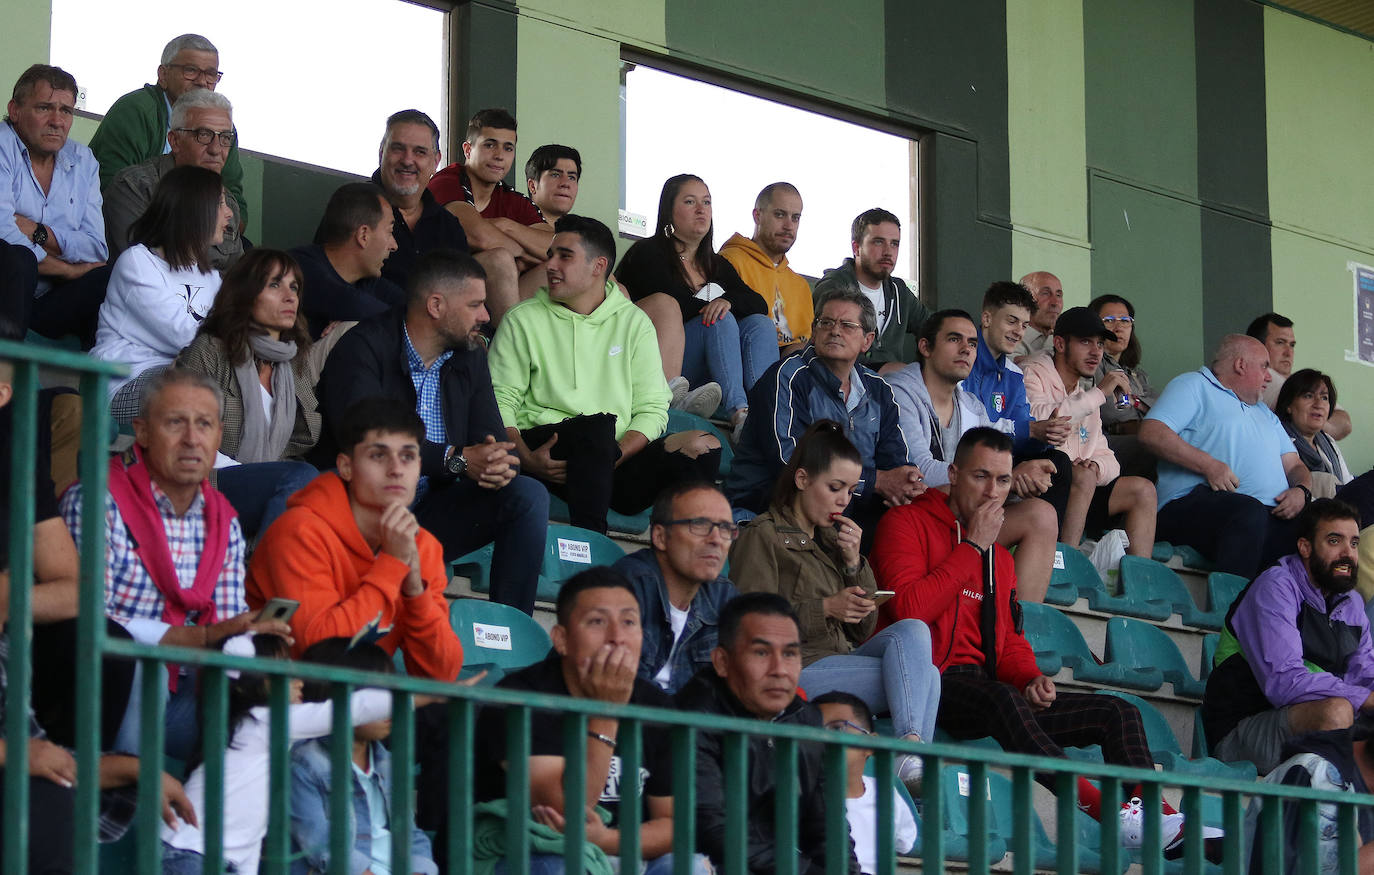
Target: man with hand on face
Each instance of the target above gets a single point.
(1230, 481)
(876, 237)
(1041, 469)
(762, 263)
(595, 655)
(431, 356)
(1295, 656)
(350, 552)
(753, 674)
(1100, 497)
(679, 583)
(1048, 294)
(941, 557)
(936, 412)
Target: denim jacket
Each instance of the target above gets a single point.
(310, 783)
(698, 636)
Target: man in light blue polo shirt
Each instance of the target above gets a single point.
(1230, 480)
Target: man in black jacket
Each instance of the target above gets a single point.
(753, 674)
(471, 493)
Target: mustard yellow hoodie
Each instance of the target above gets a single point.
(785, 291)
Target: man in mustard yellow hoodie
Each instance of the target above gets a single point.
(580, 388)
(762, 263)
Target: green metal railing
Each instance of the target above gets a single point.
(681, 728)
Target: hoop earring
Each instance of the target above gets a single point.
(669, 230)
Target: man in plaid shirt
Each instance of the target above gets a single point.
(174, 567)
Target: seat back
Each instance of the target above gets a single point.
(1222, 590)
(1147, 579)
(1209, 653)
(1137, 644)
(1157, 730)
(1053, 635)
(497, 636)
(568, 550)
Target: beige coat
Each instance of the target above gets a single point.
(774, 555)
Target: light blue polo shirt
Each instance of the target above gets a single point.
(1211, 417)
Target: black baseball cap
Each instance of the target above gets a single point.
(1081, 322)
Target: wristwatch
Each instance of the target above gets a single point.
(455, 461)
(39, 235)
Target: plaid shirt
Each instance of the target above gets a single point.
(117, 804)
(426, 382)
(131, 597)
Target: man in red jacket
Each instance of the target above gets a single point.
(940, 555)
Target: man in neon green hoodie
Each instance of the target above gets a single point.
(580, 389)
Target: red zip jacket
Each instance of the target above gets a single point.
(919, 555)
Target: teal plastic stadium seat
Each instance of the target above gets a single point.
(1209, 653)
(1222, 590)
(1165, 749)
(1046, 855)
(1163, 551)
(1191, 558)
(681, 420)
(617, 522)
(476, 567)
(1078, 569)
(1139, 644)
(1077, 574)
(1146, 578)
(496, 637)
(568, 550)
(957, 836)
(1057, 642)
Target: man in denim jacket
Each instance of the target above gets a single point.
(678, 582)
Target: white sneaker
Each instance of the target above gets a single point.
(701, 401)
(737, 424)
(1170, 830)
(679, 387)
(910, 771)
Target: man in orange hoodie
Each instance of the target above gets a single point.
(351, 552)
(940, 555)
(762, 263)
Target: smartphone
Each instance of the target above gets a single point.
(882, 595)
(279, 609)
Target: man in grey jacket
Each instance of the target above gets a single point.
(935, 412)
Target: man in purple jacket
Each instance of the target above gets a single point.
(1295, 656)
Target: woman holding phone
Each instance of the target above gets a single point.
(805, 549)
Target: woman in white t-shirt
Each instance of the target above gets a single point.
(163, 285)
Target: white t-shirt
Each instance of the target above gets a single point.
(879, 303)
(863, 825)
(678, 620)
(151, 312)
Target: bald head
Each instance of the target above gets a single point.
(1241, 364)
(1048, 293)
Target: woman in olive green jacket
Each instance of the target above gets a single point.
(807, 551)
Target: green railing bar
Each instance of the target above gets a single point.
(836, 821)
(786, 805)
(977, 816)
(1066, 808)
(575, 790)
(61, 360)
(152, 734)
(1191, 806)
(20, 535)
(1110, 825)
(1347, 834)
(1023, 810)
(630, 746)
(1307, 836)
(276, 850)
(90, 618)
(1151, 848)
(341, 779)
(402, 780)
(214, 741)
(735, 767)
(461, 731)
(1232, 819)
(885, 839)
(1271, 846)
(518, 790)
(933, 813)
(684, 798)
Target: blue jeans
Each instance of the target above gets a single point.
(179, 861)
(180, 719)
(258, 491)
(892, 671)
(734, 353)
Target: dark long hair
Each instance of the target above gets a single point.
(1305, 380)
(335, 651)
(231, 316)
(246, 692)
(180, 219)
(1130, 356)
(823, 444)
(705, 256)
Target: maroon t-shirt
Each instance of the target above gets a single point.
(451, 184)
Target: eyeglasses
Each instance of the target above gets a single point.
(825, 323)
(190, 72)
(701, 527)
(1109, 321)
(843, 725)
(205, 136)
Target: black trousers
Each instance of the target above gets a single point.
(51, 832)
(1235, 531)
(54, 683)
(594, 484)
(18, 277)
(72, 307)
(1060, 484)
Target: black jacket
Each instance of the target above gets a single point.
(707, 693)
(370, 361)
(328, 298)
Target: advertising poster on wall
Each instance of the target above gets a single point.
(1364, 314)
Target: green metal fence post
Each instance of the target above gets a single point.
(886, 845)
(461, 717)
(1066, 809)
(402, 778)
(575, 790)
(836, 823)
(276, 850)
(518, 790)
(214, 741)
(684, 798)
(787, 805)
(341, 779)
(1022, 809)
(933, 815)
(735, 767)
(1110, 812)
(152, 732)
(630, 746)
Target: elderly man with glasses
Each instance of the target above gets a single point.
(826, 381)
(202, 135)
(137, 126)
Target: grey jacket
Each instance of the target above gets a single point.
(130, 192)
(918, 420)
(896, 340)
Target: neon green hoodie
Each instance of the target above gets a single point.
(549, 364)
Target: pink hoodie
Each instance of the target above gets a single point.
(1045, 391)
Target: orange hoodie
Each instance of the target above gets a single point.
(315, 553)
(784, 290)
